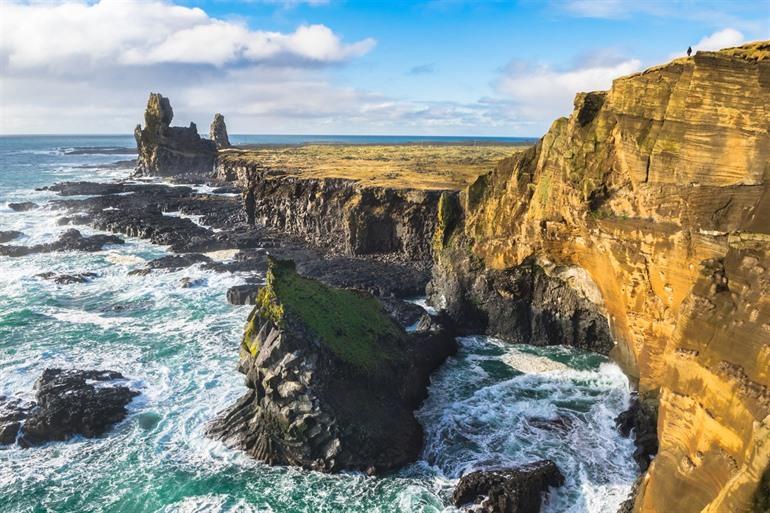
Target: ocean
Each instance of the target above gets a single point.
(494, 404)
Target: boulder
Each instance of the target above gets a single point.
(23, 206)
(218, 131)
(67, 403)
(166, 150)
(333, 380)
(67, 279)
(516, 490)
(9, 235)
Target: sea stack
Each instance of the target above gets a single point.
(333, 380)
(218, 131)
(166, 150)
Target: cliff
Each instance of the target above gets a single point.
(166, 150)
(652, 199)
(333, 381)
(355, 199)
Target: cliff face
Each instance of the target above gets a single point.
(168, 150)
(339, 213)
(655, 194)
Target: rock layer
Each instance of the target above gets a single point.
(166, 150)
(658, 191)
(352, 218)
(333, 381)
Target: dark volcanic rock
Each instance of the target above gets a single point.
(9, 235)
(242, 294)
(404, 313)
(70, 240)
(67, 403)
(66, 279)
(641, 420)
(517, 490)
(188, 283)
(333, 380)
(165, 150)
(178, 261)
(23, 206)
(524, 304)
(218, 131)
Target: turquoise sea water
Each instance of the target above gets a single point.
(493, 404)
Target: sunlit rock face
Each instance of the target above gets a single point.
(166, 150)
(659, 190)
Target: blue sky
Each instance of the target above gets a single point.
(448, 67)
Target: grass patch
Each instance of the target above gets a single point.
(414, 166)
(351, 324)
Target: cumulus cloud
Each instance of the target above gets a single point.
(144, 33)
(543, 93)
(721, 39)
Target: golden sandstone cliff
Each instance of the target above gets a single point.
(660, 190)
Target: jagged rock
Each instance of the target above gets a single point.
(67, 403)
(174, 262)
(404, 313)
(188, 283)
(243, 294)
(658, 189)
(218, 131)
(169, 150)
(9, 235)
(67, 279)
(333, 381)
(641, 420)
(23, 206)
(70, 240)
(517, 490)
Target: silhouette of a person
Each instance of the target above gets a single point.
(689, 51)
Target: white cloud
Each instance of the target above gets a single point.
(143, 33)
(721, 39)
(542, 93)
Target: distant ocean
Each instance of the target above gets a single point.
(494, 404)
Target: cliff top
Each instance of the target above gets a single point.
(414, 166)
(351, 324)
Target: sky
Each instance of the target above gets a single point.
(431, 67)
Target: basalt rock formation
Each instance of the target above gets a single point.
(166, 150)
(351, 218)
(517, 490)
(656, 194)
(333, 381)
(218, 131)
(67, 403)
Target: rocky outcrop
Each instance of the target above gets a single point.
(333, 381)
(518, 490)
(66, 279)
(166, 150)
(658, 190)
(339, 214)
(218, 131)
(70, 240)
(67, 403)
(9, 235)
(24, 206)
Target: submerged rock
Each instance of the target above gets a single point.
(169, 150)
(218, 131)
(67, 403)
(67, 279)
(517, 490)
(9, 235)
(70, 240)
(333, 379)
(23, 206)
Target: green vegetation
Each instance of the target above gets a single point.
(349, 323)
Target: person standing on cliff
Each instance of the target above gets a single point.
(689, 51)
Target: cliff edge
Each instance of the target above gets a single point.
(654, 200)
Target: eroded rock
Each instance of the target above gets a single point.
(517, 490)
(169, 150)
(218, 131)
(333, 380)
(70, 240)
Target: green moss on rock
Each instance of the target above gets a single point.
(351, 324)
